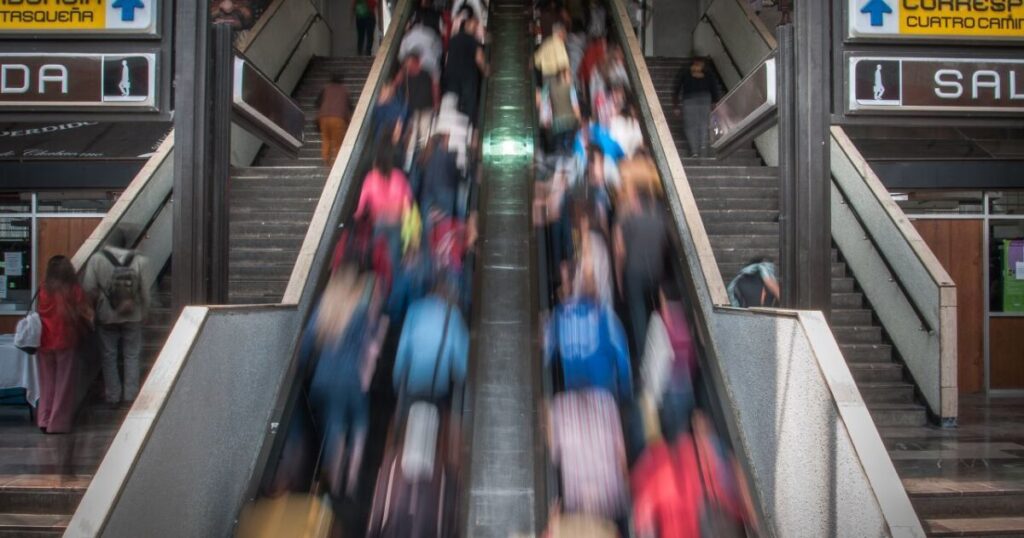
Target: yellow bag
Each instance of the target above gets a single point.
(292, 515)
(412, 228)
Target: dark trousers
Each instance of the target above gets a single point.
(641, 289)
(364, 35)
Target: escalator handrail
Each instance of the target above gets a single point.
(337, 196)
(670, 166)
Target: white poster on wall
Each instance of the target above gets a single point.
(12, 263)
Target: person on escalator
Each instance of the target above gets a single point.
(338, 356)
(589, 343)
(438, 192)
(422, 97)
(388, 116)
(464, 67)
(560, 111)
(551, 57)
(640, 243)
(465, 9)
(667, 368)
(422, 42)
(384, 200)
(592, 256)
(428, 16)
(698, 88)
(433, 350)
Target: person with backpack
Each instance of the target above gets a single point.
(755, 285)
(66, 316)
(113, 277)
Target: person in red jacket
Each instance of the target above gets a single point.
(65, 313)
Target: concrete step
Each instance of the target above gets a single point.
(858, 334)
(703, 192)
(731, 214)
(882, 372)
(738, 228)
(738, 203)
(33, 525)
(989, 526)
(894, 392)
(299, 205)
(867, 352)
(843, 284)
(847, 300)
(731, 160)
(725, 254)
(961, 497)
(256, 270)
(898, 414)
(703, 181)
(42, 494)
(842, 317)
(733, 171)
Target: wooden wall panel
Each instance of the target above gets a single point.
(1006, 352)
(61, 236)
(958, 244)
(8, 323)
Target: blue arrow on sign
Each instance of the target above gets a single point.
(875, 8)
(128, 8)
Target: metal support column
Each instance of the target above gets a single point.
(223, 59)
(805, 220)
(191, 110)
(200, 158)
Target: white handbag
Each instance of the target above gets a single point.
(28, 333)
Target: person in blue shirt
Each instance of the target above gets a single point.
(431, 358)
(589, 341)
(337, 360)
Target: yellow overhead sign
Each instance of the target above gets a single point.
(78, 16)
(940, 19)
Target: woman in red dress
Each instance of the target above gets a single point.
(65, 313)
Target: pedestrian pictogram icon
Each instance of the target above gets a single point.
(877, 9)
(128, 8)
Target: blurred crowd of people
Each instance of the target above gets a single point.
(635, 454)
(390, 329)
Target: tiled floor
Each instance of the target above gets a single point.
(967, 480)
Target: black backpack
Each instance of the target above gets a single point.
(123, 290)
(752, 292)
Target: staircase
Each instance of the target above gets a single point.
(273, 201)
(738, 198)
(43, 477)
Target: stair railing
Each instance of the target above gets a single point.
(912, 294)
(799, 424)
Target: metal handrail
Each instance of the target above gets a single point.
(663, 149)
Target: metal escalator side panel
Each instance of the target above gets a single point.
(199, 435)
